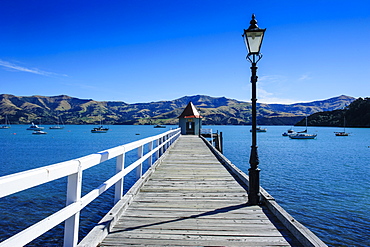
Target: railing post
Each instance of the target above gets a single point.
(161, 148)
(118, 190)
(211, 133)
(150, 159)
(71, 225)
(168, 143)
(157, 153)
(139, 169)
(165, 143)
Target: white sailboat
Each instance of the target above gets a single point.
(303, 134)
(6, 124)
(58, 127)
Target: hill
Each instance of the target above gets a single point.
(215, 110)
(357, 114)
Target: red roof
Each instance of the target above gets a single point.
(190, 112)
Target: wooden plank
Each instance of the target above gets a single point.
(168, 240)
(192, 200)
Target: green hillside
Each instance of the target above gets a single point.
(215, 110)
(357, 114)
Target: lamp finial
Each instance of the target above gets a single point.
(253, 23)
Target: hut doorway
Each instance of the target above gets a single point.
(190, 128)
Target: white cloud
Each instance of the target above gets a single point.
(271, 98)
(263, 94)
(15, 67)
(273, 82)
(279, 89)
(271, 79)
(304, 77)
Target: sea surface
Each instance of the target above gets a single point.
(323, 183)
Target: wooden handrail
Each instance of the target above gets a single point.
(73, 169)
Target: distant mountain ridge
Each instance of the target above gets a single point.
(357, 114)
(215, 110)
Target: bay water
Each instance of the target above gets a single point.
(323, 183)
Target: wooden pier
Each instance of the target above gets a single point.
(196, 197)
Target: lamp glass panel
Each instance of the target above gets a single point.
(254, 40)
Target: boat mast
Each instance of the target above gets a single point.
(306, 123)
(344, 123)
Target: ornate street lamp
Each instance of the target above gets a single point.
(253, 37)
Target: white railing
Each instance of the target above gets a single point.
(206, 131)
(73, 169)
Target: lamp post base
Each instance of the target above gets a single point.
(254, 195)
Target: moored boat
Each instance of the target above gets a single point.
(39, 132)
(159, 126)
(6, 124)
(302, 136)
(342, 133)
(57, 127)
(259, 129)
(35, 127)
(289, 132)
(99, 129)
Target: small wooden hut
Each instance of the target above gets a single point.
(190, 120)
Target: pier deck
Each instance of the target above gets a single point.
(192, 200)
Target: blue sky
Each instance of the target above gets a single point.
(144, 51)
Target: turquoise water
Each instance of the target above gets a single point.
(323, 183)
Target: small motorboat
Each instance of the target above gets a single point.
(259, 129)
(159, 126)
(341, 133)
(289, 132)
(35, 127)
(99, 129)
(39, 132)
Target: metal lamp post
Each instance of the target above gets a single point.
(253, 37)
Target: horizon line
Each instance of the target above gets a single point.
(270, 103)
